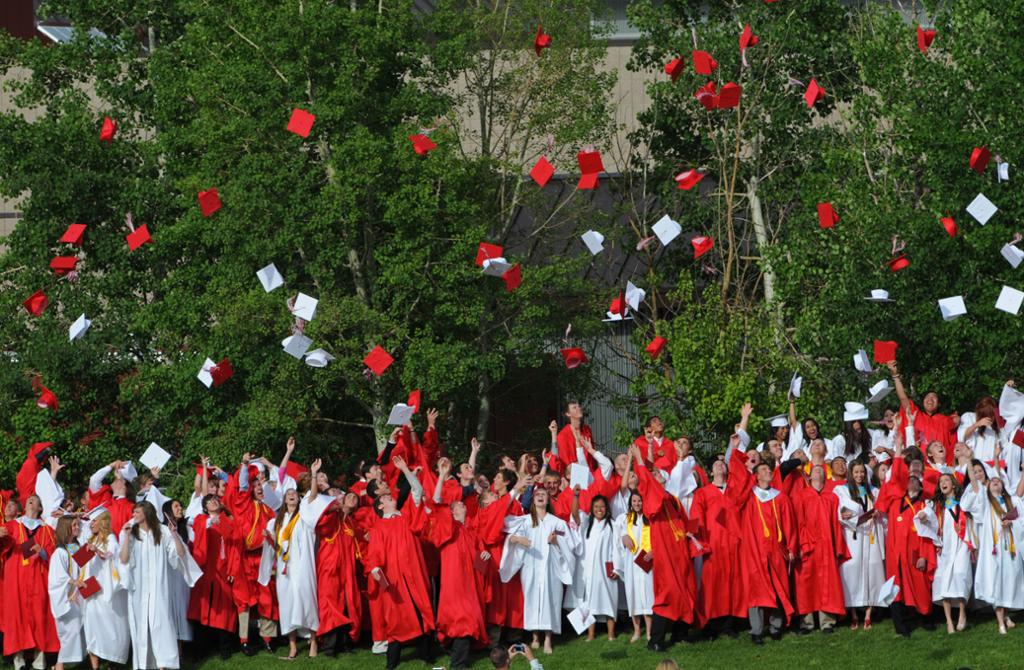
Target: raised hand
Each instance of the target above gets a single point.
(400, 463)
(314, 468)
(474, 444)
(746, 410)
(55, 466)
(553, 427)
(431, 417)
(290, 446)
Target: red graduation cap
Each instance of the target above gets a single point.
(1018, 438)
(706, 95)
(209, 201)
(421, 144)
(885, 351)
(47, 399)
(574, 357)
(747, 38)
(814, 93)
(487, 251)
(108, 130)
(89, 588)
(209, 471)
(899, 263)
(301, 122)
(513, 277)
(587, 182)
(827, 217)
(703, 62)
(295, 470)
(729, 96)
(925, 38)
(221, 372)
(414, 401)
(689, 179)
(541, 41)
(73, 235)
(674, 68)
(701, 245)
(655, 347)
(138, 237)
(63, 264)
(950, 225)
(36, 303)
(979, 159)
(590, 167)
(618, 305)
(378, 360)
(542, 172)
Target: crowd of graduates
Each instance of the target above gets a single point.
(914, 511)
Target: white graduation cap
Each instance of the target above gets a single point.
(296, 345)
(579, 475)
(778, 421)
(269, 277)
(204, 373)
(861, 361)
(854, 411)
(878, 295)
(318, 358)
(496, 267)
(634, 296)
(401, 414)
(1010, 300)
(879, 391)
(1013, 255)
(95, 513)
(305, 307)
(128, 471)
(887, 594)
(952, 307)
(666, 229)
(1003, 171)
(594, 241)
(154, 456)
(78, 328)
(581, 620)
(795, 384)
(982, 209)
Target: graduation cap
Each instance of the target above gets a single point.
(541, 41)
(487, 251)
(861, 362)
(878, 392)
(378, 360)
(634, 295)
(701, 245)
(542, 172)
(590, 167)
(73, 235)
(304, 307)
(318, 358)
(138, 237)
(301, 122)
(594, 241)
(854, 411)
(982, 209)
(513, 277)
(703, 62)
(796, 385)
(1010, 300)
(979, 159)
(924, 38)
(778, 421)
(47, 399)
(36, 303)
(879, 295)
(401, 414)
(421, 144)
(950, 225)
(496, 267)
(221, 372)
(899, 263)
(952, 307)
(814, 93)
(888, 593)
(108, 130)
(674, 68)
(209, 201)
(63, 264)
(79, 328)
(655, 347)
(885, 351)
(617, 310)
(729, 96)
(827, 217)
(155, 456)
(296, 345)
(574, 357)
(747, 38)
(269, 277)
(414, 400)
(666, 229)
(1002, 171)
(689, 179)
(706, 95)
(1013, 255)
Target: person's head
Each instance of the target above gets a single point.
(466, 473)
(385, 505)
(763, 473)
(839, 468)
(100, 527)
(482, 483)
(12, 510)
(655, 425)
(458, 511)
(257, 491)
(948, 486)
(889, 418)
(552, 483)
(67, 530)
(636, 503)
(486, 498)
(818, 450)
(961, 451)
(859, 473)
(667, 664)
(913, 486)
(936, 452)
(532, 465)
(753, 460)
(144, 516)
(719, 469)
(599, 508)
(978, 470)
(323, 483)
(775, 449)
(211, 504)
(818, 477)
(995, 487)
(504, 481)
(574, 411)
(33, 507)
(540, 505)
(371, 471)
(780, 433)
(987, 408)
(621, 463)
(811, 429)
(857, 438)
(684, 447)
(930, 402)
(881, 471)
(349, 502)
(499, 658)
(119, 487)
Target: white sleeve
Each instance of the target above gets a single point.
(271, 498)
(604, 463)
(967, 420)
(96, 481)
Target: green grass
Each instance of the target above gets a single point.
(978, 647)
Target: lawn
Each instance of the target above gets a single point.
(978, 647)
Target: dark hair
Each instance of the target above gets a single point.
(986, 408)
(607, 521)
(817, 429)
(632, 516)
(510, 477)
(976, 462)
(499, 657)
(149, 513)
(533, 502)
(853, 439)
(939, 498)
(207, 498)
(180, 525)
(650, 420)
(63, 535)
(913, 454)
(854, 490)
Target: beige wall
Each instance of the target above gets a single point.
(8, 210)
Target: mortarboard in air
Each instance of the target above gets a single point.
(108, 130)
(304, 307)
(618, 309)
(1003, 171)
(1010, 300)
(950, 225)
(901, 262)
(689, 179)
(925, 38)
(952, 307)
(591, 167)
(666, 229)
(703, 62)
(378, 360)
(301, 122)
(296, 345)
(541, 41)
(513, 277)
(63, 264)
(747, 38)
(496, 267)
(78, 328)
(47, 399)
(778, 421)
(400, 415)
(729, 96)
(979, 159)
(814, 93)
(414, 400)
(594, 241)
(827, 217)
(796, 385)
(36, 303)
(885, 351)
(318, 358)
(542, 172)
(574, 357)
(701, 245)
(422, 144)
(879, 295)
(209, 201)
(73, 235)
(155, 456)
(221, 372)
(655, 347)
(1013, 255)
(204, 373)
(269, 277)
(634, 296)
(879, 391)
(488, 251)
(982, 209)
(674, 68)
(706, 95)
(138, 237)
(854, 411)
(861, 362)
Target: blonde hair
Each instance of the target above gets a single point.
(667, 664)
(103, 530)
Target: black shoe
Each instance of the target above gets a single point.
(656, 648)
(248, 649)
(804, 631)
(757, 640)
(827, 631)
(777, 635)
(928, 626)
(267, 648)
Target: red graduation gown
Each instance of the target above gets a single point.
(404, 606)
(503, 600)
(460, 610)
(675, 586)
(819, 587)
(251, 519)
(721, 592)
(567, 449)
(336, 586)
(933, 427)
(903, 546)
(27, 621)
(215, 601)
(25, 481)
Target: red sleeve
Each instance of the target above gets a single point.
(838, 537)
(441, 529)
(895, 488)
(199, 543)
(652, 492)
(740, 481)
(26, 480)
(788, 522)
(431, 448)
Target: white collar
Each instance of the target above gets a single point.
(31, 524)
(765, 495)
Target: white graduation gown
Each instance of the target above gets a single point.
(147, 576)
(296, 578)
(543, 568)
(881, 438)
(864, 574)
(597, 594)
(67, 614)
(1011, 408)
(983, 444)
(107, 632)
(999, 576)
(639, 584)
(954, 574)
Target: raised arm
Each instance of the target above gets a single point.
(792, 412)
(897, 382)
(444, 467)
(96, 481)
(314, 470)
(474, 450)
(288, 449)
(410, 476)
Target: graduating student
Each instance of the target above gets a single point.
(819, 588)
(855, 442)
(174, 515)
(638, 579)
(117, 497)
(653, 444)
(864, 573)
(953, 571)
(149, 552)
(65, 601)
(999, 579)
(569, 444)
(221, 593)
(107, 633)
(929, 424)
(503, 600)
(600, 559)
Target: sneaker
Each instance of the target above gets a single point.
(380, 647)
